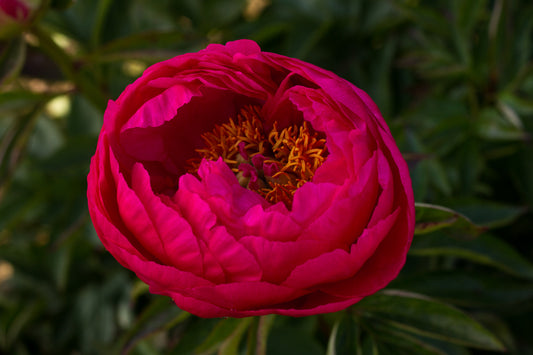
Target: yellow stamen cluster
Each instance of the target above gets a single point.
(224, 140)
(295, 151)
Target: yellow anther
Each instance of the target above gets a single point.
(297, 151)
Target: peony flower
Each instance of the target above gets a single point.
(241, 183)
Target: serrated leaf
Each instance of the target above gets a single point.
(417, 314)
(430, 218)
(485, 249)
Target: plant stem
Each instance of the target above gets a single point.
(265, 323)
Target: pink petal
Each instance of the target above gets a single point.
(346, 264)
(322, 207)
(279, 108)
(311, 200)
(245, 295)
(386, 201)
(180, 244)
(160, 277)
(277, 259)
(243, 46)
(311, 304)
(270, 224)
(237, 262)
(103, 205)
(383, 265)
(161, 108)
(136, 219)
(358, 199)
(223, 191)
(195, 210)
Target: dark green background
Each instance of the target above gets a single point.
(454, 80)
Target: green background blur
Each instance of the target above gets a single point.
(454, 80)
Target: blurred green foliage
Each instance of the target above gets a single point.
(454, 80)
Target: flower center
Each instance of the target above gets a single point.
(274, 164)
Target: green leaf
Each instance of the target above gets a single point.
(21, 319)
(12, 59)
(485, 249)
(294, 337)
(61, 4)
(18, 101)
(14, 142)
(522, 105)
(96, 309)
(488, 214)
(343, 337)
(428, 19)
(417, 314)
(367, 346)
(231, 345)
(223, 331)
(411, 343)
(437, 175)
(468, 288)
(100, 17)
(467, 13)
(161, 314)
(500, 126)
(430, 218)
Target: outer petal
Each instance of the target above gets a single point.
(181, 245)
(318, 270)
(243, 296)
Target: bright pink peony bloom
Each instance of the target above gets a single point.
(247, 231)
